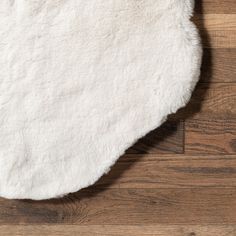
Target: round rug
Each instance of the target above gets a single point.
(81, 81)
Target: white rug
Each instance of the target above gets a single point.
(81, 81)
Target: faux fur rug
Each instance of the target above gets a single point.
(81, 81)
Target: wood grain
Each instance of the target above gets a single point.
(217, 30)
(219, 65)
(119, 230)
(215, 6)
(171, 171)
(127, 206)
(216, 100)
(218, 22)
(168, 138)
(210, 136)
(211, 124)
(218, 39)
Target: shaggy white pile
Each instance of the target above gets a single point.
(81, 81)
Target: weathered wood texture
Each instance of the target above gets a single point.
(179, 180)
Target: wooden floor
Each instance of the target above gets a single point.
(178, 181)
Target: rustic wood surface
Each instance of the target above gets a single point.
(179, 180)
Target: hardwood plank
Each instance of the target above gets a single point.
(218, 39)
(127, 206)
(217, 30)
(210, 127)
(166, 139)
(211, 22)
(171, 171)
(119, 230)
(210, 136)
(215, 6)
(213, 101)
(219, 65)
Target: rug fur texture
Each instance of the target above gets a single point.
(81, 81)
